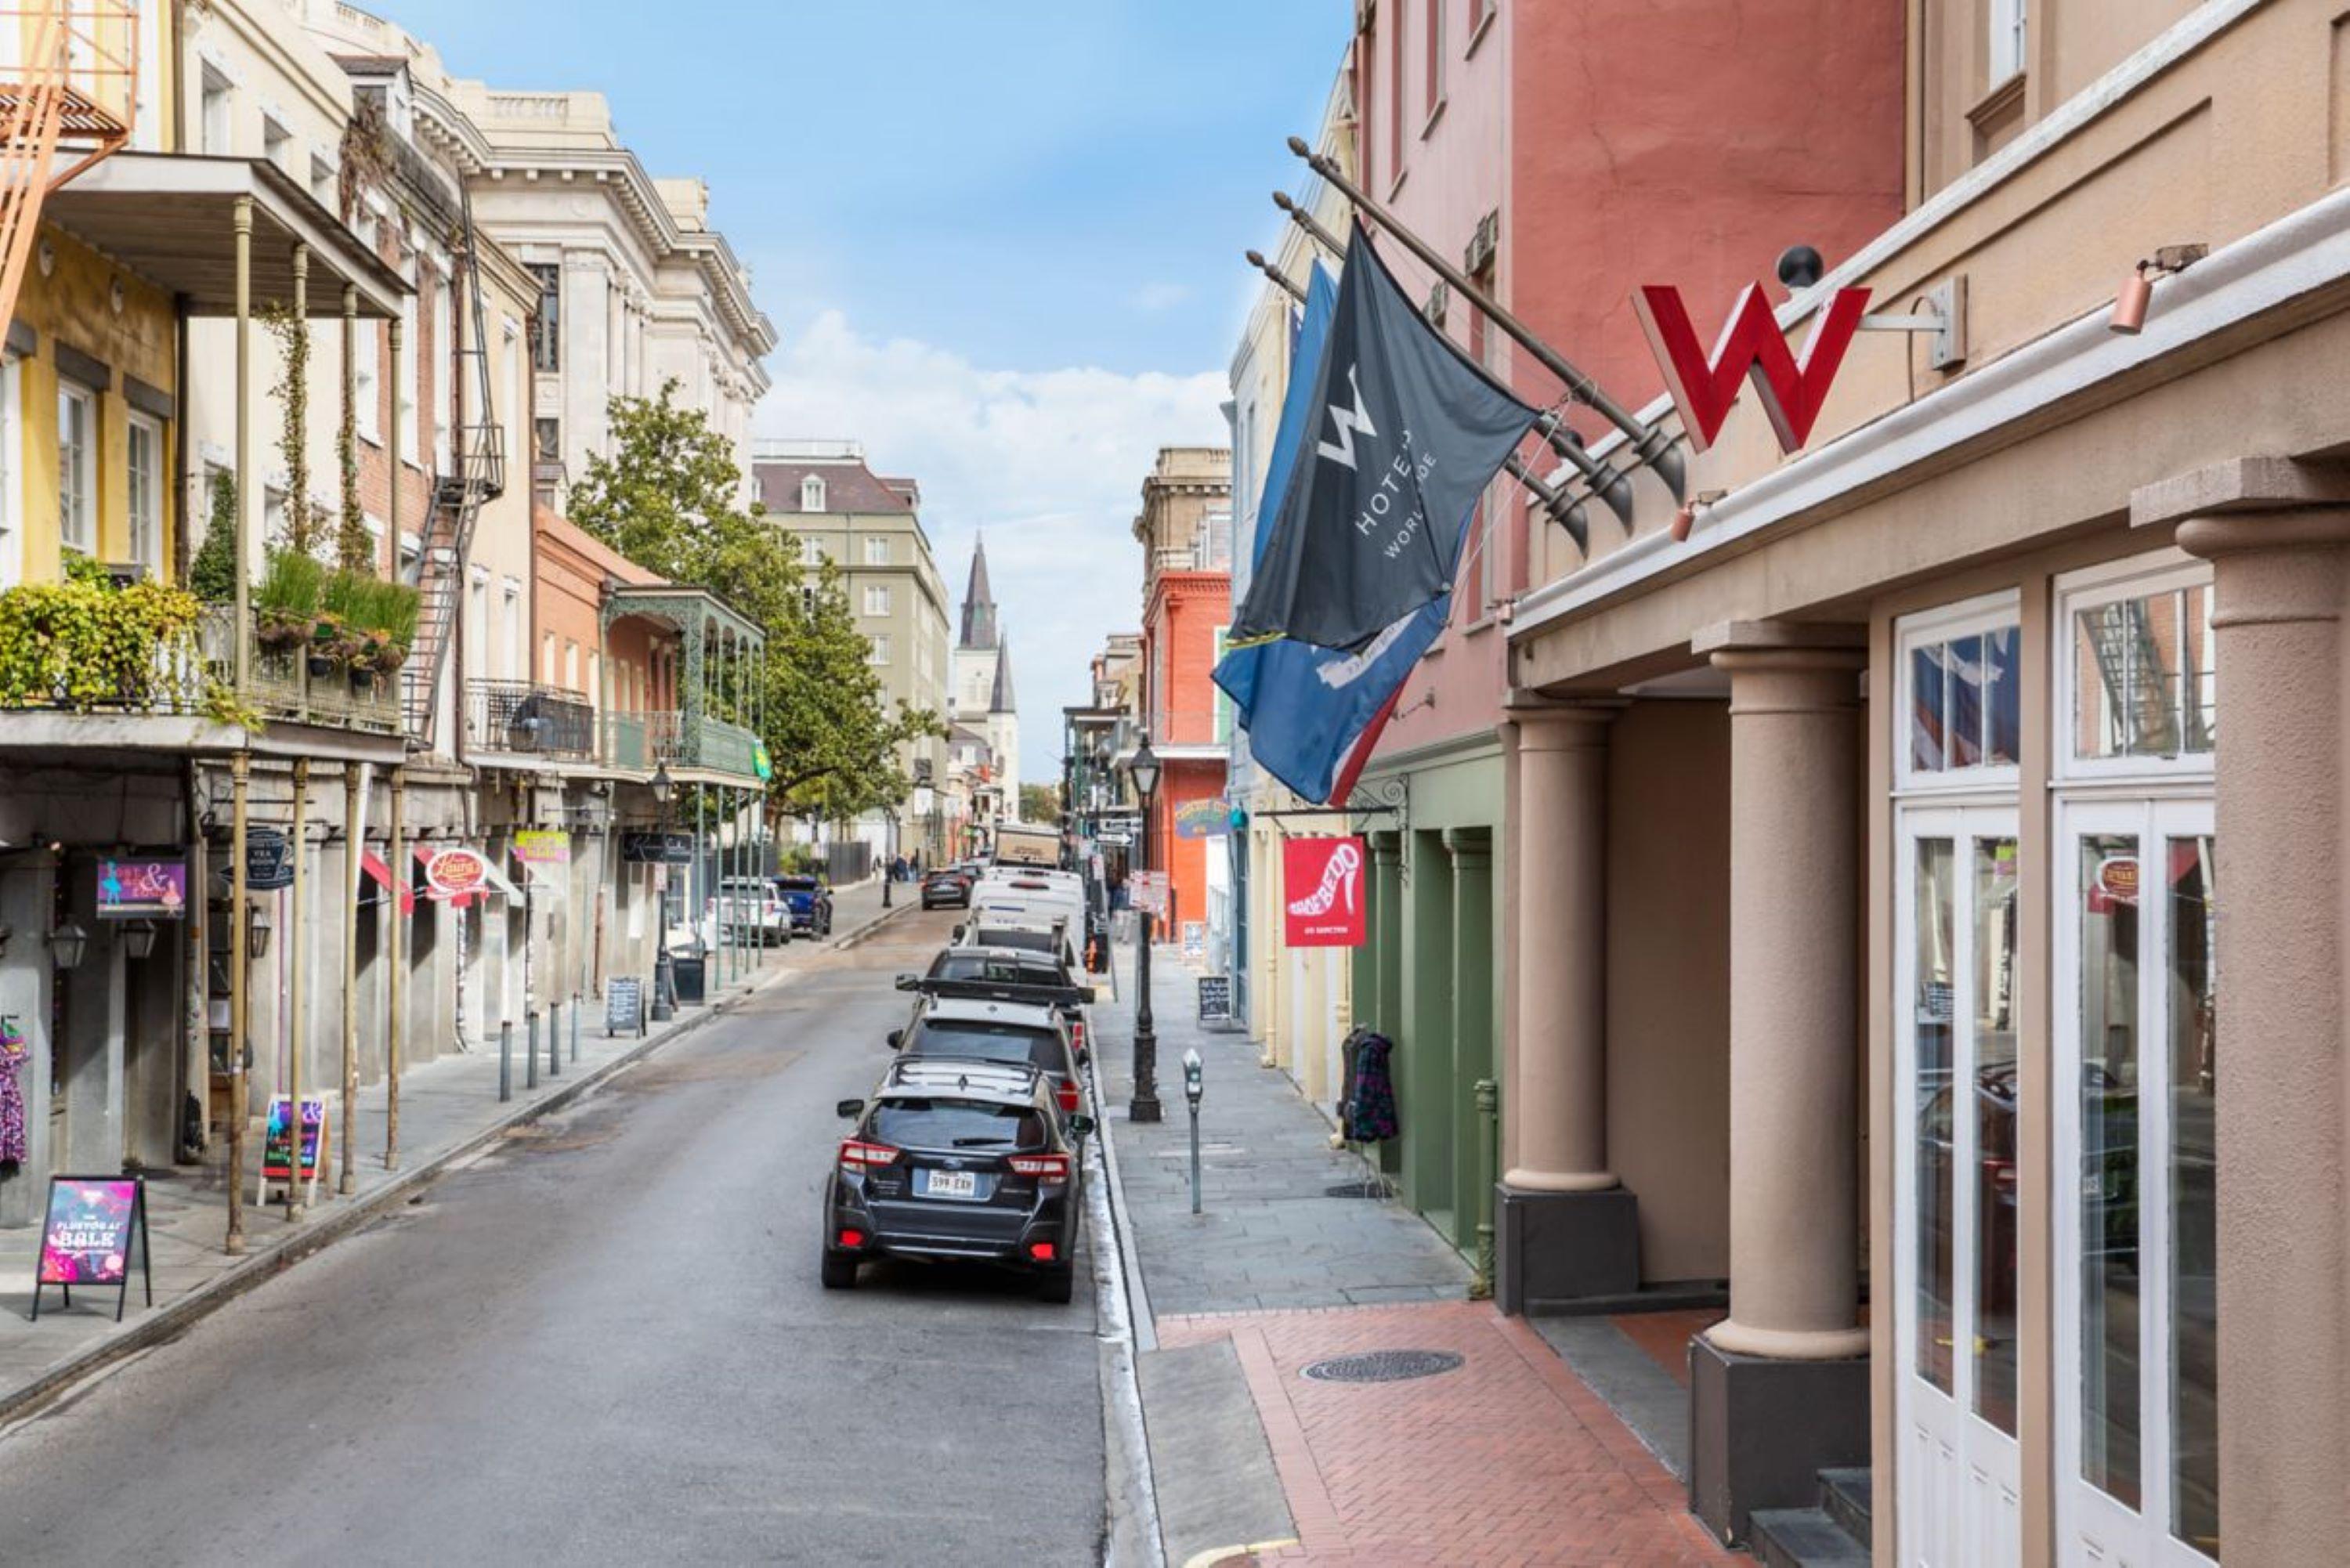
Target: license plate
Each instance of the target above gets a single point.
(952, 1184)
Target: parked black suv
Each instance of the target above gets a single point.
(959, 1159)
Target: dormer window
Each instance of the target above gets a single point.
(812, 493)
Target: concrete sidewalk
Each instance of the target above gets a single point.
(449, 1111)
(1501, 1453)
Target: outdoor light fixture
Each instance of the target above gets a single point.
(2138, 290)
(68, 943)
(1686, 518)
(1143, 769)
(664, 786)
(258, 924)
(139, 939)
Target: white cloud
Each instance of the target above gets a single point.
(1048, 463)
(1155, 297)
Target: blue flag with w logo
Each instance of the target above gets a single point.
(1313, 714)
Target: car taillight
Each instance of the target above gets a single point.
(1067, 1092)
(856, 1154)
(1043, 1167)
(1041, 1251)
(851, 1238)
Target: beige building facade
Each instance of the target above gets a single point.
(1870, 816)
(870, 526)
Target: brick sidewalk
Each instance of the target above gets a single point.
(1509, 1459)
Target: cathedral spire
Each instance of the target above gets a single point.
(978, 602)
(1001, 702)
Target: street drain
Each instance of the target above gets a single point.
(1357, 1189)
(1382, 1367)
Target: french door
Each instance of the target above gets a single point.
(1955, 1188)
(2136, 1312)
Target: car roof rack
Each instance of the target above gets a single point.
(1021, 991)
(964, 1074)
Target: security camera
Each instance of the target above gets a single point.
(1800, 267)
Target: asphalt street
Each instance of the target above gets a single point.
(605, 1343)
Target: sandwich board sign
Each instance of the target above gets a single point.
(276, 1147)
(86, 1237)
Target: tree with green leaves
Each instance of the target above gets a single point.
(666, 496)
(1041, 803)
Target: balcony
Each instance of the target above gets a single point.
(522, 718)
(641, 741)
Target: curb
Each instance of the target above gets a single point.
(169, 1322)
(858, 934)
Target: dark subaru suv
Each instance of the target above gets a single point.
(957, 1159)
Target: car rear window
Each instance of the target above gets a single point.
(957, 1124)
(1011, 937)
(955, 965)
(990, 1043)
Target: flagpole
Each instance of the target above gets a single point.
(1565, 513)
(1612, 488)
(1654, 446)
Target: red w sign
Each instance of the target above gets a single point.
(1752, 347)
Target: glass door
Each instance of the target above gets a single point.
(1955, 1188)
(2136, 1316)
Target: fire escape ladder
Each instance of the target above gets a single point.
(82, 63)
(476, 476)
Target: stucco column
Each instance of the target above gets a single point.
(1795, 951)
(1558, 1104)
(1567, 1230)
(2278, 537)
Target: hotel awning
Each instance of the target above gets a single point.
(373, 865)
(171, 218)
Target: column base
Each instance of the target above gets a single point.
(1552, 1248)
(1761, 1430)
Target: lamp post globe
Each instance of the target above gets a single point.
(1142, 769)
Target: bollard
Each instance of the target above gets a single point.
(554, 1040)
(505, 1059)
(1193, 1087)
(530, 1056)
(1488, 1125)
(575, 1032)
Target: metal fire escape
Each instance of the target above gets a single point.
(67, 103)
(2129, 662)
(477, 476)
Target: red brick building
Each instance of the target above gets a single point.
(1185, 531)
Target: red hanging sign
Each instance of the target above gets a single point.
(1323, 892)
(1750, 347)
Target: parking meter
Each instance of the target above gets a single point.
(1192, 1085)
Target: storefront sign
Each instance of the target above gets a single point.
(86, 1239)
(1321, 885)
(1195, 940)
(268, 860)
(142, 889)
(1147, 891)
(1202, 819)
(1750, 347)
(455, 873)
(276, 1165)
(536, 847)
(2116, 881)
(657, 848)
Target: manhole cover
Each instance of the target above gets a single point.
(1357, 1189)
(1382, 1367)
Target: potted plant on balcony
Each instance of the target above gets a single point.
(285, 605)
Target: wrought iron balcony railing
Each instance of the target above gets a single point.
(526, 719)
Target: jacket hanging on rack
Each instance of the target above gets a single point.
(1367, 1113)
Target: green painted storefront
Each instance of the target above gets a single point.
(1431, 975)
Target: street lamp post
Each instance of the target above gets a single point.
(664, 977)
(1144, 771)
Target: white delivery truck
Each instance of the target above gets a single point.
(1021, 844)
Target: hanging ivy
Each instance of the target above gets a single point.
(303, 519)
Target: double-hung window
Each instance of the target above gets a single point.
(77, 468)
(144, 467)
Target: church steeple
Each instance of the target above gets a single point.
(978, 603)
(1001, 702)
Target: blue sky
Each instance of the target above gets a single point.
(1001, 240)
